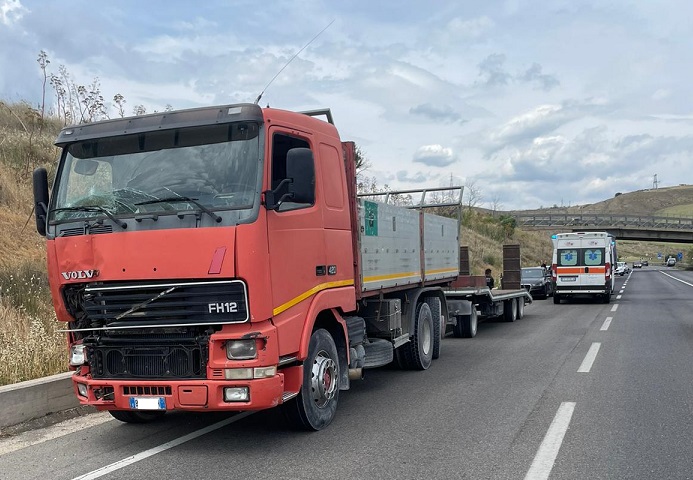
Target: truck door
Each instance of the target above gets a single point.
(296, 239)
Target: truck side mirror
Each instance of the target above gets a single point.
(40, 179)
(300, 167)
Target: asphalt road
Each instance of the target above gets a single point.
(573, 391)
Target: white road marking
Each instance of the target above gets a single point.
(548, 450)
(621, 291)
(618, 297)
(41, 435)
(615, 307)
(606, 324)
(677, 279)
(161, 448)
(586, 365)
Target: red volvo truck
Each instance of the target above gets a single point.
(219, 259)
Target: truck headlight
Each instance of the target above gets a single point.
(241, 349)
(77, 355)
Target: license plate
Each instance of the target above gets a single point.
(567, 279)
(147, 403)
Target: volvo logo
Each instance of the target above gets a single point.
(80, 274)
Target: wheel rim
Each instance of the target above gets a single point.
(323, 382)
(474, 322)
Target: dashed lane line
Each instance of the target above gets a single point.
(586, 364)
(614, 308)
(606, 324)
(548, 450)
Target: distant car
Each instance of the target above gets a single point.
(621, 268)
(537, 281)
(637, 264)
(671, 262)
(645, 263)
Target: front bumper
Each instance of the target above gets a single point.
(192, 395)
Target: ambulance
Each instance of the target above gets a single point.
(583, 264)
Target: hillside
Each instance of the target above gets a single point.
(673, 201)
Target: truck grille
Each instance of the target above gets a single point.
(148, 361)
(163, 304)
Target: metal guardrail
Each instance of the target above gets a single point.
(605, 221)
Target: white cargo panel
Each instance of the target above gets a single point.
(391, 246)
(441, 247)
(390, 252)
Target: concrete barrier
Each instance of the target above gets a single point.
(24, 401)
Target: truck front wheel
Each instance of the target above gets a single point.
(315, 406)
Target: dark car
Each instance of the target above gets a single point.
(537, 281)
(645, 263)
(637, 264)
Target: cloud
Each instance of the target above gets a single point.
(535, 76)
(435, 156)
(492, 70)
(472, 28)
(442, 113)
(11, 11)
(418, 177)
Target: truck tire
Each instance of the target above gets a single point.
(315, 406)
(556, 298)
(137, 416)
(606, 298)
(434, 305)
(418, 353)
(520, 307)
(466, 325)
(510, 310)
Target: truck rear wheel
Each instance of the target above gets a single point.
(466, 325)
(510, 310)
(137, 416)
(315, 406)
(418, 353)
(556, 298)
(436, 311)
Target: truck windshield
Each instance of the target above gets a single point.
(210, 168)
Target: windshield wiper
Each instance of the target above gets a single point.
(93, 208)
(179, 198)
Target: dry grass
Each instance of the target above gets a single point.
(30, 345)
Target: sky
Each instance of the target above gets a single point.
(529, 104)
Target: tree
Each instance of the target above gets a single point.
(120, 101)
(43, 62)
(473, 194)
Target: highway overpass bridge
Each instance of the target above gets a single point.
(623, 227)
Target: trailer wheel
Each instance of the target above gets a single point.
(137, 416)
(418, 353)
(436, 311)
(510, 310)
(466, 325)
(520, 307)
(316, 404)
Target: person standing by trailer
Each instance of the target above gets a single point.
(583, 264)
(489, 278)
